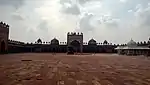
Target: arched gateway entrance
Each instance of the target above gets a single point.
(76, 46)
(2, 47)
(75, 42)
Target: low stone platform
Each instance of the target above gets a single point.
(63, 69)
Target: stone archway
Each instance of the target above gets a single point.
(76, 46)
(3, 46)
(75, 41)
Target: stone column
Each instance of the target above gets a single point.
(81, 48)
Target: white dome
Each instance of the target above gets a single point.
(131, 43)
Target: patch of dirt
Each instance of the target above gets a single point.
(63, 69)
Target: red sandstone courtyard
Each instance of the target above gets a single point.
(62, 69)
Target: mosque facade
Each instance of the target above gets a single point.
(132, 48)
(74, 43)
(4, 33)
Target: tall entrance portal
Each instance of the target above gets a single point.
(4, 34)
(75, 42)
(2, 47)
(76, 46)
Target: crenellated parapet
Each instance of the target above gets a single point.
(15, 42)
(74, 33)
(4, 25)
(4, 28)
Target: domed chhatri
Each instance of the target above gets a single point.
(55, 41)
(105, 42)
(131, 43)
(39, 41)
(133, 49)
(92, 42)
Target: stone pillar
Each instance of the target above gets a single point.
(81, 48)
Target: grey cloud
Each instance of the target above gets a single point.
(84, 23)
(31, 35)
(85, 1)
(64, 1)
(14, 3)
(140, 23)
(43, 25)
(74, 6)
(17, 17)
(90, 22)
(112, 23)
(143, 16)
(74, 9)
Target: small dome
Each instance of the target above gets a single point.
(92, 42)
(54, 41)
(105, 42)
(39, 41)
(1, 22)
(131, 43)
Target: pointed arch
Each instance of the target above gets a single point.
(3, 46)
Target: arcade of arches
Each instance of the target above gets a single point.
(74, 44)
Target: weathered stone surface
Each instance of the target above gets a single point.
(81, 82)
(60, 83)
(73, 70)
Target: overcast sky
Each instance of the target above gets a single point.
(114, 20)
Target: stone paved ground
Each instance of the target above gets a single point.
(62, 69)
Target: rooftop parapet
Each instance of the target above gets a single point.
(74, 33)
(15, 42)
(4, 25)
